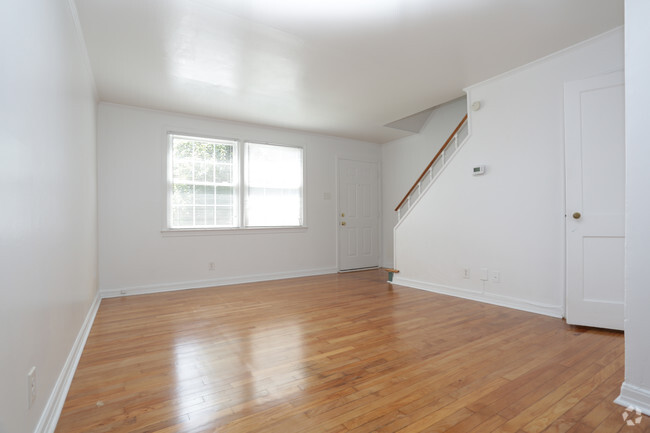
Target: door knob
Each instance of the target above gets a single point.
(576, 215)
(343, 223)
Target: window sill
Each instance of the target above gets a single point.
(231, 231)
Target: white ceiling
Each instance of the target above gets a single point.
(340, 67)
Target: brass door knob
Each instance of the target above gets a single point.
(576, 215)
(343, 223)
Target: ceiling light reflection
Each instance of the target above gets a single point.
(324, 9)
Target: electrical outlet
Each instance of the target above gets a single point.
(495, 276)
(31, 387)
(466, 273)
(212, 266)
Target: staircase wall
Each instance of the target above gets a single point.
(511, 220)
(403, 161)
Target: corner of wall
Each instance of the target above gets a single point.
(54, 405)
(83, 47)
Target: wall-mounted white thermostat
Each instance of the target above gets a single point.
(478, 170)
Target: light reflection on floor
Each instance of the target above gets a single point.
(209, 375)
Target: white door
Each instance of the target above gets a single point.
(595, 200)
(358, 218)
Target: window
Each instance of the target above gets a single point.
(211, 180)
(203, 187)
(273, 185)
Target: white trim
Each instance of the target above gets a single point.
(231, 231)
(52, 411)
(637, 397)
(50, 415)
(547, 58)
(240, 184)
(243, 167)
(369, 268)
(200, 284)
(488, 298)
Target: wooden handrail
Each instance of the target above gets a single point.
(433, 161)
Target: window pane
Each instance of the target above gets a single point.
(274, 185)
(209, 216)
(223, 173)
(224, 216)
(183, 194)
(224, 195)
(201, 216)
(183, 171)
(209, 192)
(199, 195)
(203, 151)
(202, 176)
(182, 149)
(223, 153)
(203, 172)
(183, 216)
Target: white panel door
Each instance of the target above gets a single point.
(358, 218)
(595, 200)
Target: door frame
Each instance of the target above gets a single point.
(380, 242)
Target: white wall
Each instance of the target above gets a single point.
(135, 256)
(636, 388)
(511, 219)
(48, 235)
(403, 161)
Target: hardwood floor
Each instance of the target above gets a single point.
(340, 353)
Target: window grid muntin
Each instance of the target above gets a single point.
(195, 160)
(237, 185)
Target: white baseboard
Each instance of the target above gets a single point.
(634, 396)
(50, 416)
(488, 298)
(199, 284)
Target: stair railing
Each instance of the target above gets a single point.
(435, 166)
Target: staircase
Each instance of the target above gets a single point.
(433, 170)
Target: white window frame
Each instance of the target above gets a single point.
(240, 185)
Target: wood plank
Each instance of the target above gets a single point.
(339, 353)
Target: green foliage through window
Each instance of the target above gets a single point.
(206, 184)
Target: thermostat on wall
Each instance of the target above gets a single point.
(478, 169)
